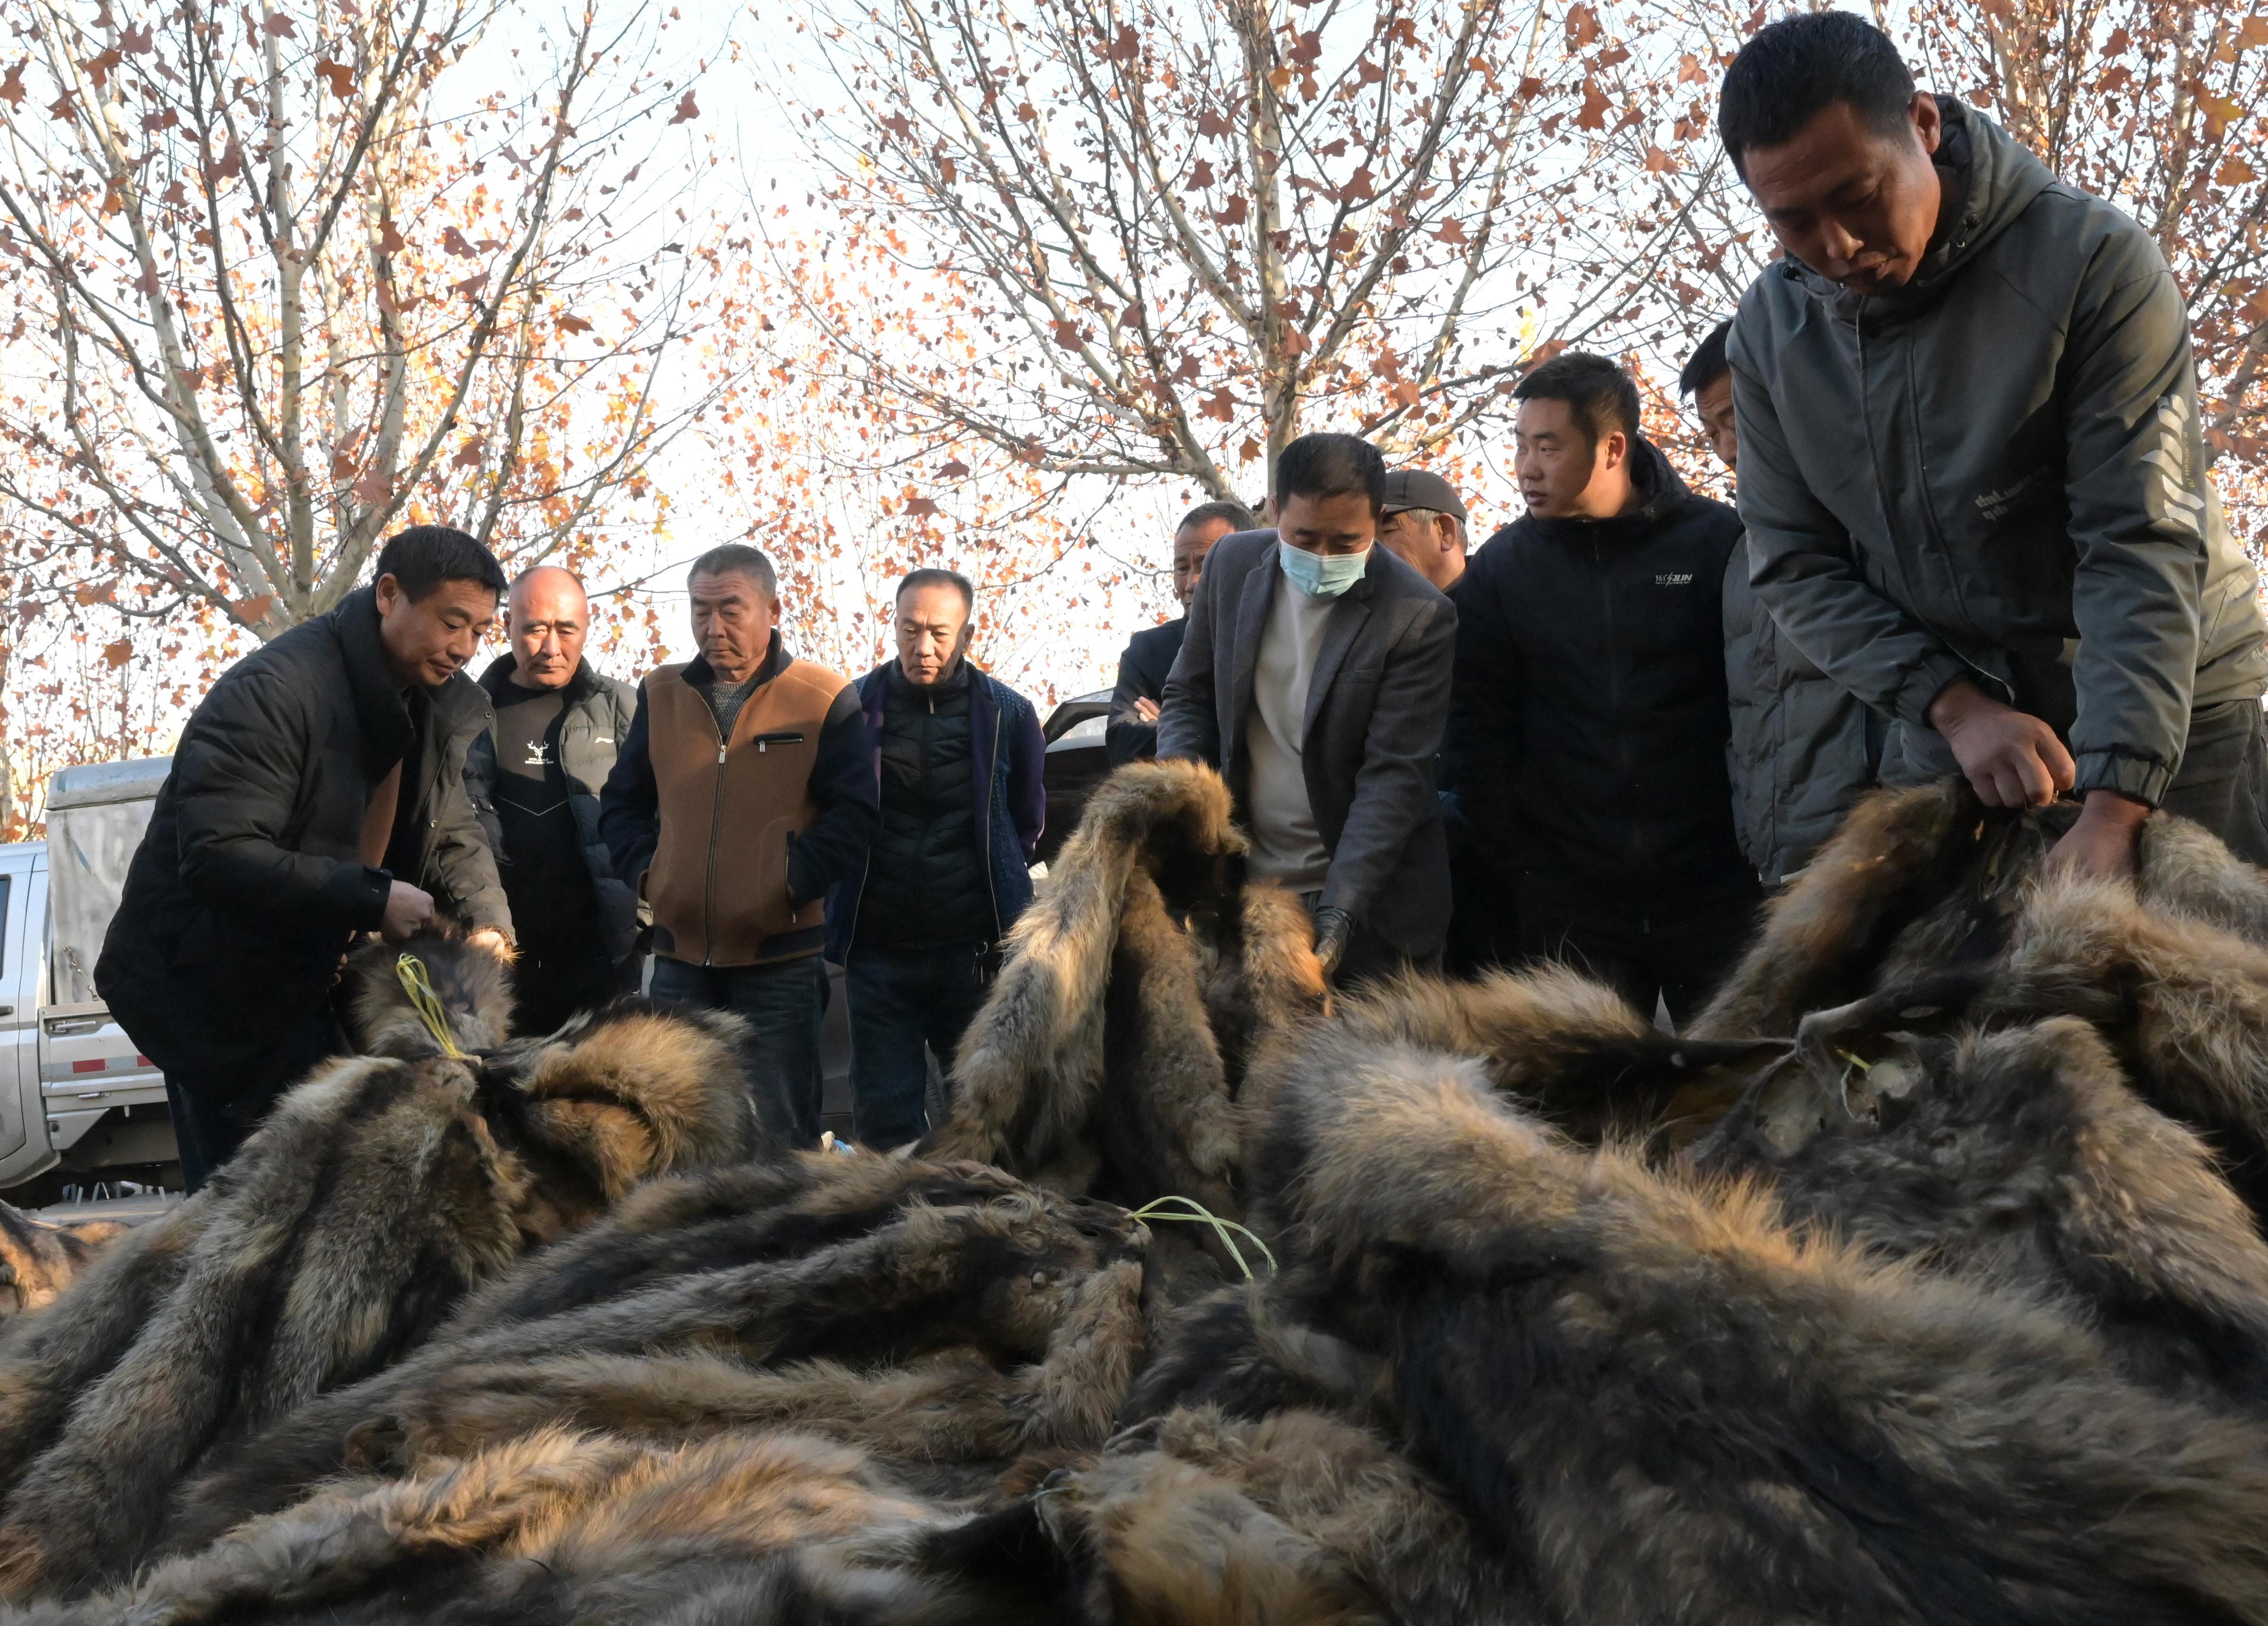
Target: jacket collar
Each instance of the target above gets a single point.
(388, 733)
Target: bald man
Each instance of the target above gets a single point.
(536, 778)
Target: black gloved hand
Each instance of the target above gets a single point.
(1333, 929)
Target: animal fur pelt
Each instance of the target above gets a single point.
(745, 1528)
(2022, 1157)
(1921, 882)
(373, 1197)
(473, 984)
(828, 1270)
(1134, 992)
(39, 1258)
(1674, 1409)
(1569, 1048)
(1202, 1521)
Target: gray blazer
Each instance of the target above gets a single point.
(1375, 710)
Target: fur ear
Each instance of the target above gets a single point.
(473, 985)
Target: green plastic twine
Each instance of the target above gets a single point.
(1203, 1215)
(418, 984)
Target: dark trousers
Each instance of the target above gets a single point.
(554, 978)
(1676, 947)
(2223, 782)
(782, 1003)
(905, 1001)
(216, 1114)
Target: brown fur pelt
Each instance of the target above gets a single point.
(39, 1258)
(865, 1264)
(1107, 1058)
(1918, 882)
(1566, 1047)
(373, 1197)
(1675, 1410)
(1197, 1520)
(754, 1528)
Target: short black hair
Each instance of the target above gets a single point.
(1600, 395)
(1239, 517)
(423, 557)
(1331, 465)
(1797, 68)
(937, 576)
(1708, 363)
(738, 559)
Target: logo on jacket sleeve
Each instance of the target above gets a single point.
(1673, 578)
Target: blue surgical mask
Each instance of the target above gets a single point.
(1321, 576)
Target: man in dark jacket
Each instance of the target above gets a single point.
(743, 792)
(1315, 677)
(958, 758)
(317, 792)
(1802, 747)
(1586, 736)
(1132, 731)
(536, 778)
(1972, 463)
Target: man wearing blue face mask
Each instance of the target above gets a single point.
(1587, 739)
(1315, 676)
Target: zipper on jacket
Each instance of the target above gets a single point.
(985, 830)
(709, 882)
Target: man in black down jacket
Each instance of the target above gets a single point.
(1132, 734)
(317, 792)
(958, 758)
(534, 778)
(1587, 719)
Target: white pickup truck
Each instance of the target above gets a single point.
(76, 1103)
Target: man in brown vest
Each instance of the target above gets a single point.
(745, 790)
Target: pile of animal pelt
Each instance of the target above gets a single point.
(1917, 1289)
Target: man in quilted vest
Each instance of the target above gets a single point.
(745, 790)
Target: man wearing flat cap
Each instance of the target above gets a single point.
(1424, 525)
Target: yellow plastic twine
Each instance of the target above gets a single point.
(1203, 1215)
(418, 984)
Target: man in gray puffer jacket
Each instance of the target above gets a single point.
(1972, 467)
(1802, 747)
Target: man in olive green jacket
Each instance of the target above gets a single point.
(1972, 467)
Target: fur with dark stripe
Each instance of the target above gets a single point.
(374, 1195)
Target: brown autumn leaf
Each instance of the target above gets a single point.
(1658, 162)
(98, 66)
(373, 488)
(685, 110)
(468, 455)
(254, 610)
(573, 324)
(64, 110)
(279, 25)
(390, 241)
(2235, 172)
(471, 286)
(1220, 407)
(1066, 334)
(11, 87)
(920, 508)
(118, 654)
(338, 76)
(342, 467)
(1249, 451)
(954, 470)
(900, 126)
(1234, 214)
(1126, 47)
(1200, 177)
(1213, 122)
(1582, 28)
(2252, 32)
(1452, 231)
(136, 41)
(1593, 115)
(452, 241)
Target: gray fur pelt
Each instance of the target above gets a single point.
(1135, 991)
(373, 1196)
(942, 1313)
(1677, 1410)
